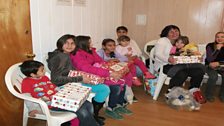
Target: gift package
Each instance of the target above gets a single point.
(70, 96)
(150, 86)
(95, 79)
(120, 67)
(187, 59)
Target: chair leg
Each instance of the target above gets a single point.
(159, 85)
(25, 115)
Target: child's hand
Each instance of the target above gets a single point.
(115, 75)
(86, 79)
(114, 60)
(45, 98)
(126, 69)
(129, 49)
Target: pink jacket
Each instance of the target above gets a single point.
(84, 61)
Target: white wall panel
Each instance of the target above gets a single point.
(49, 21)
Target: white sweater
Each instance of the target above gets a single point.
(162, 52)
(125, 50)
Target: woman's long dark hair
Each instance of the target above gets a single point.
(62, 40)
(82, 42)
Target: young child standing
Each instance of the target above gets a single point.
(39, 86)
(125, 49)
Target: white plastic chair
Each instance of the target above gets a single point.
(147, 48)
(13, 78)
(161, 77)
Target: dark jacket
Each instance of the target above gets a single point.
(60, 64)
(214, 55)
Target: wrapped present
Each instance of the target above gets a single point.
(95, 79)
(120, 67)
(150, 85)
(71, 96)
(187, 59)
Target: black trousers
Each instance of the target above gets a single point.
(179, 78)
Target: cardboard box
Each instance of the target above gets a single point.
(71, 96)
(95, 79)
(187, 59)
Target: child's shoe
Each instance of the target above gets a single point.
(148, 75)
(123, 110)
(112, 114)
(198, 95)
(136, 81)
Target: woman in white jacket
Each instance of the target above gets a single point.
(162, 55)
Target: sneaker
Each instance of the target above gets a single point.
(123, 110)
(148, 75)
(135, 99)
(136, 81)
(114, 115)
(198, 97)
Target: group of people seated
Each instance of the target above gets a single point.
(173, 43)
(77, 53)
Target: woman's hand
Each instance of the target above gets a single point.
(213, 65)
(171, 60)
(219, 46)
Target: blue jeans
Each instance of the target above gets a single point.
(101, 92)
(116, 96)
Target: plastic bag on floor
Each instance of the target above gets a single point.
(181, 99)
